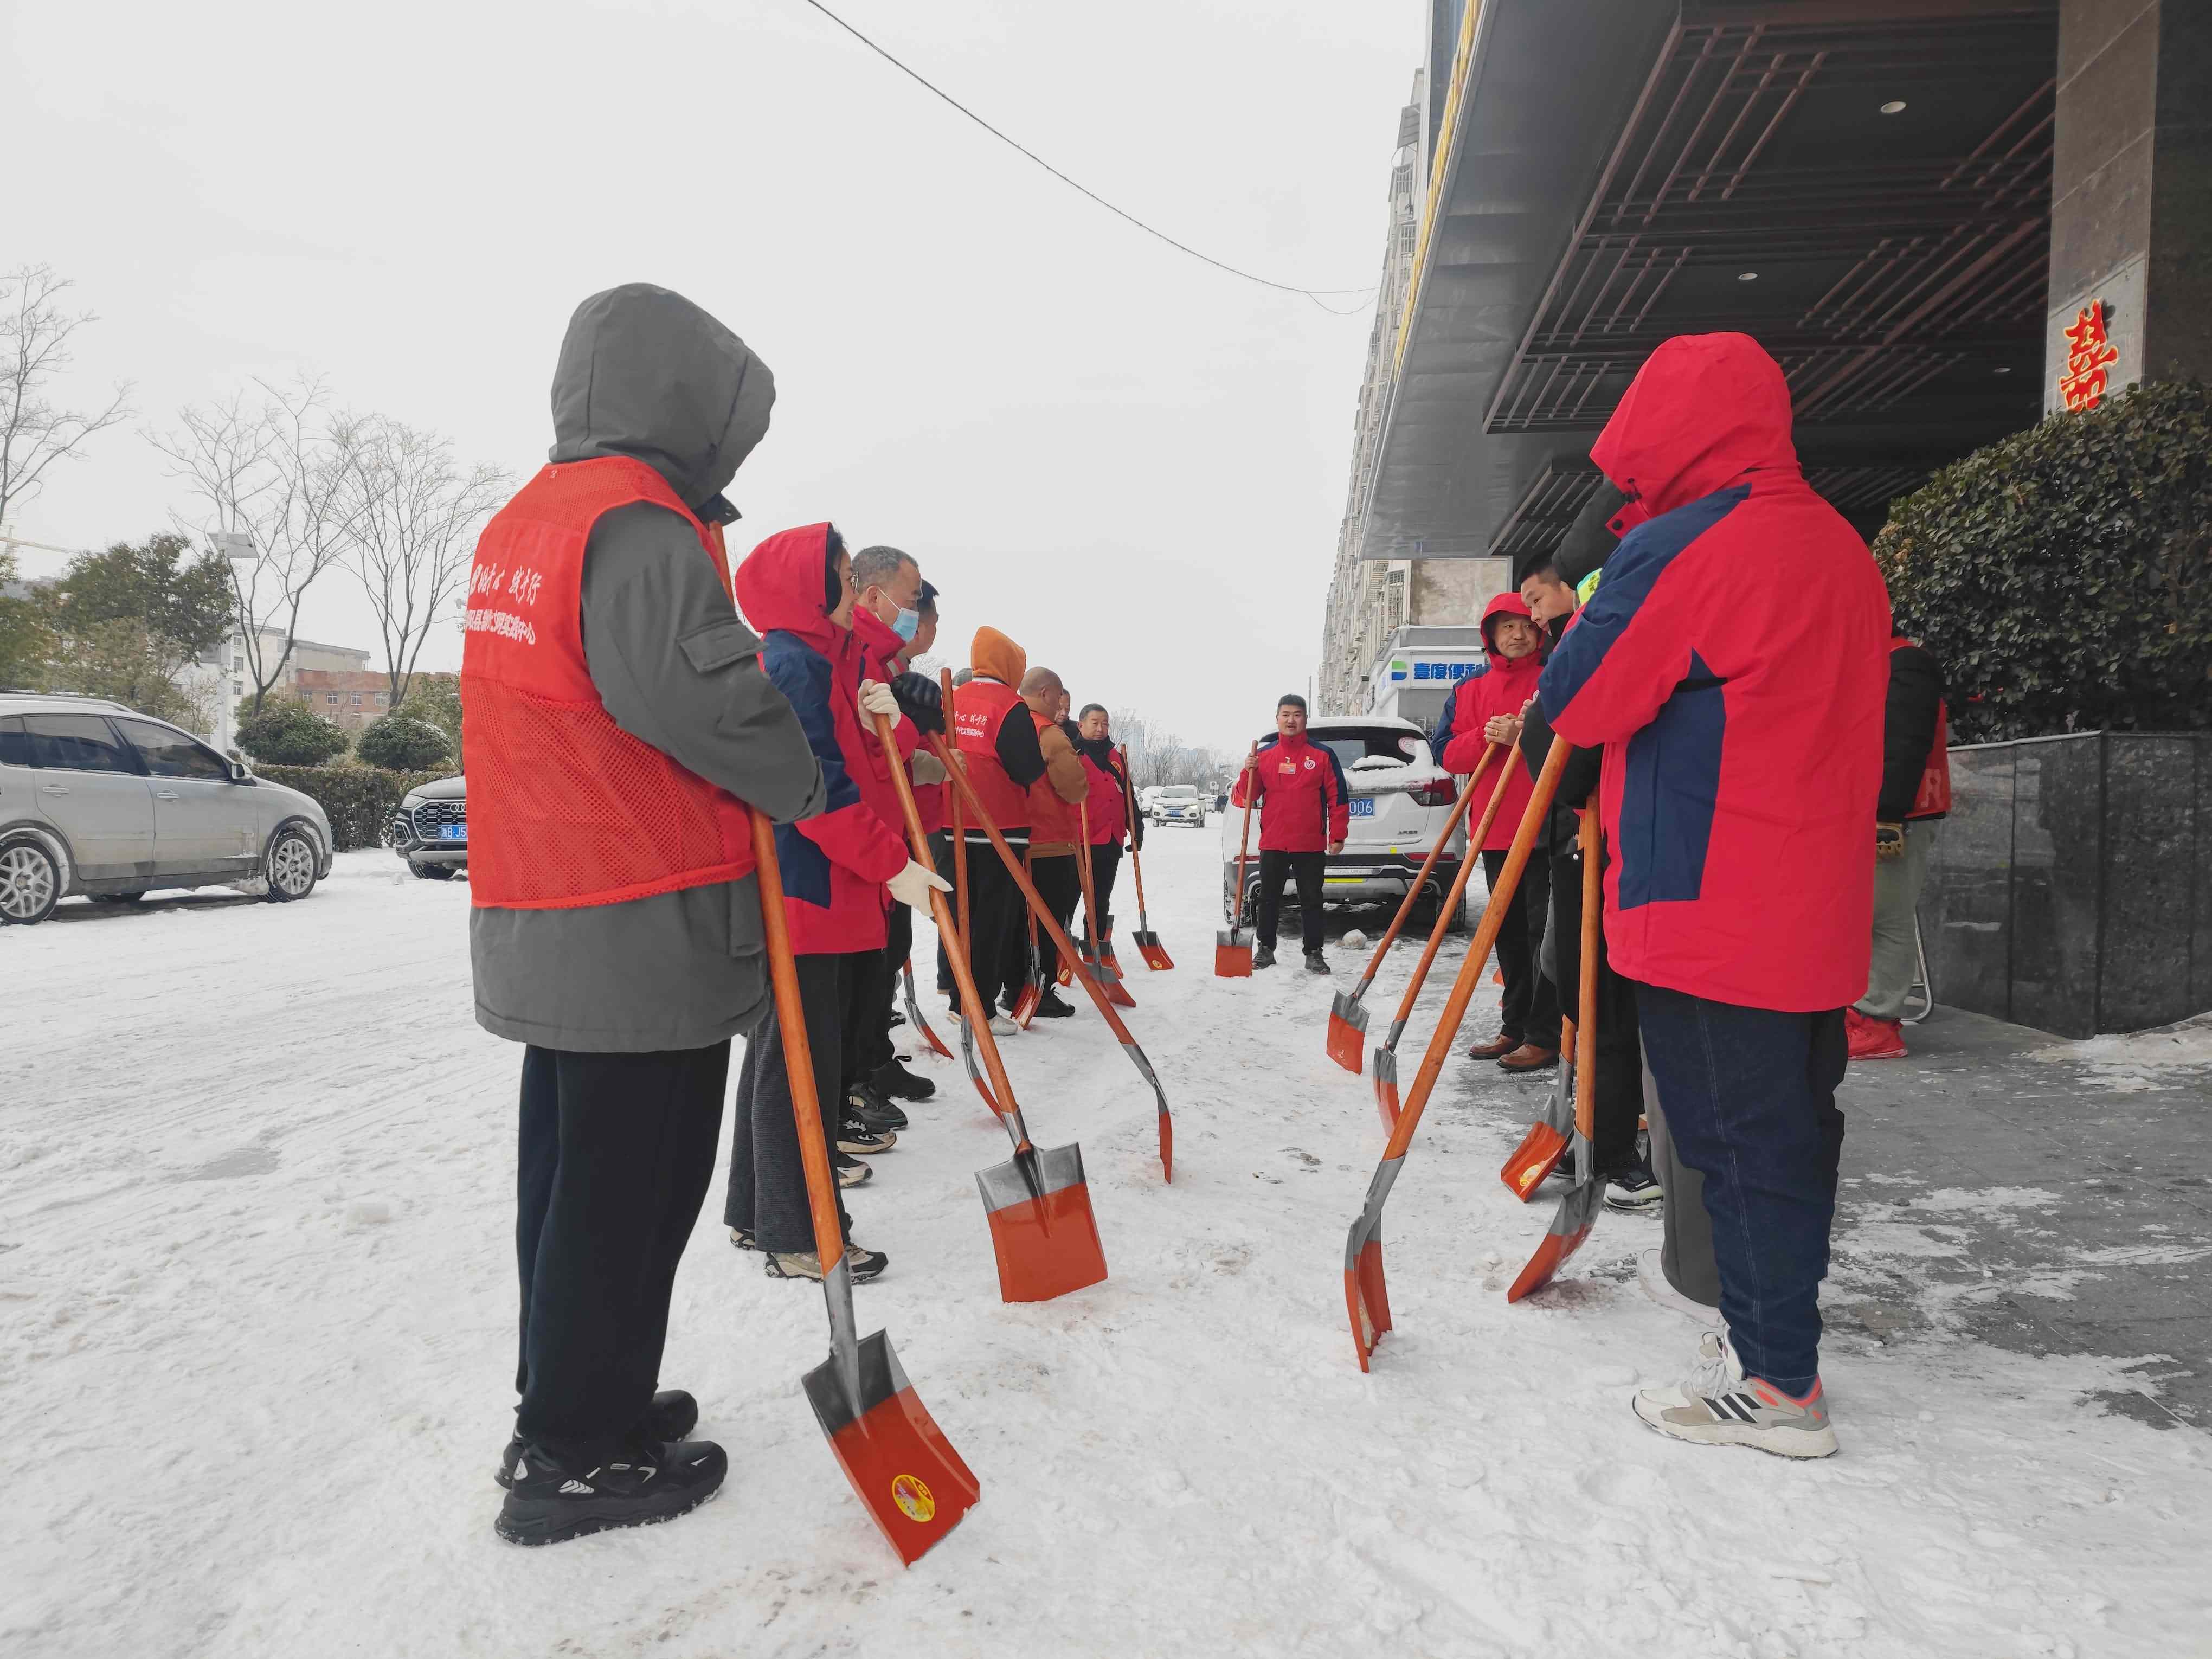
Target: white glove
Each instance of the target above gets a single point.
(928, 768)
(876, 697)
(911, 885)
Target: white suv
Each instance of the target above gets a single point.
(1179, 803)
(1400, 801)
(97, 799)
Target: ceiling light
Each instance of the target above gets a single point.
(2002, 368)
(1894, 107)
(1746, 275)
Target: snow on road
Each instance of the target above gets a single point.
(256, 1329)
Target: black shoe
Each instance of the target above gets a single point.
(856, 1136)
(863, 1264)
(1632, 1191)
(548, 1501)
(898, 1018)
(1050, 1006)
(672, 1414)
(894, 1082)
(1264, 957)
(851, 1172)
(864, 1101)
(1317, 963)
(743, 1238)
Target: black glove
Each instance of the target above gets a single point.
(920, 700)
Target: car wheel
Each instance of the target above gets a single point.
(291, 866)
(30, 883)
(432, 872)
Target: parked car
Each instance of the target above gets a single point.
(430, 830)
(1400, 801)
(1179, 803)
(97, 799)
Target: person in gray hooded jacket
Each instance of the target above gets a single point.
(627, 1004)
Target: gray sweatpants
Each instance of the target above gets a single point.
(1896, 962)
(1685, 1245)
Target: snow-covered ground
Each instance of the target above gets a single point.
(256, 1344)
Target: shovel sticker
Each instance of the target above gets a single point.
(911, 1494)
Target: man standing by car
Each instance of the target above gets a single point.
(1305, 812)
(619, 733)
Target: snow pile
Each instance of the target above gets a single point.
(257, 1341)
(2138, 1060)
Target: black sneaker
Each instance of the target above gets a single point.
(743, 1238)
(1264, 957)
(807, 1264)
(851, 1172)
(856, 1136)
(548, 1501)
(898, 1018)
(1050, 1006)
(1632, 1191)
(1317, 963)
(672, 1414)
(894, 1082)
(863, 1101)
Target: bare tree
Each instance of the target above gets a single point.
(275, 469)
(34, 335)
(414, 511)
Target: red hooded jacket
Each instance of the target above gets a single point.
(879, 648)
(1734, 662)
(835, 866)
(1504, 690)
(1304, 803)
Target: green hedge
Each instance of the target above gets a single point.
(2063, 575)
(360, 799)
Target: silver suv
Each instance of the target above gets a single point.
(98, 799)
(430, 830)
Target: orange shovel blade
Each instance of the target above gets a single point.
(1064, 974)
(906, 1473)
(1571, 1225)
(1026, 1005)
(1232, 956)
(1154, 953)
(1368, 1301)
(1533, 1160)
(1042, 1229)
(1347, 1034)
(1386, 1087)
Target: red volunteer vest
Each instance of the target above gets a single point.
(1934, 798)
(978, 709)
(565, 809)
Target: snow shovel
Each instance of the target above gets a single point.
(1148, 942)
(1366, 1298)
(914, 1012)
(1059, 936)
(1347, 1015)
(1577, 1210)
(1097, 953)
(1541, 1149)
(1032, 992)
(1043, 1231)
(907, 1474)
(957, 946)
(1232, 952)
(1386, 1057)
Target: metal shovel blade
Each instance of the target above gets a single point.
(913, 1014)
(905, 1471)
(1232, 954)
(1366, 1298)
(1547, 1139)
(1149, 948)
(1570, 1224)
(1347, 1032)
(1026, 1005)
(1386, 1085)
(1041, 1227)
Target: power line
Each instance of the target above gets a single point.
(1313, 293)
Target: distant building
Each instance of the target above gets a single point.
(222, 678)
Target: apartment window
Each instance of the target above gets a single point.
(334, 699)
(238, 688)
(383, 698)
(356, 699)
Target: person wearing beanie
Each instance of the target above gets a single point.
(1305, 812)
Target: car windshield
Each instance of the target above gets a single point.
(1352, 744)
(1179, 791)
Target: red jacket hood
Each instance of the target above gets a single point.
(1505, 604)
(781, 585)
(1705, 409)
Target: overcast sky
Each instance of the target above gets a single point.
(1132, 463)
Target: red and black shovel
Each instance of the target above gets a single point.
(914, 1484)
(1232, 952)
(1043, 1230)
(1347, 1014)
(1386, 1057)
(1366, 1298)
(1046, 920)
(1577, 1213)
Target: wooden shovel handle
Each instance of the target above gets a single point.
(1136, 862)
(1476, 837)
(797, 1055)
(1251, 781)
(1592, 839)
(1413, 892)
(1090, 888)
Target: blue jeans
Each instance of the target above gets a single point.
(1750, 1099)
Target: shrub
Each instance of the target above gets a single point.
(2061, 575)
(437, 698)
(289, 733)
(401, 742)
(360, 799)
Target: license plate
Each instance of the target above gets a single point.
(452, 832)
(1363, 807)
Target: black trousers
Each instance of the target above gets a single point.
(1531, 1010)
(613, 1159)
(872, 1039)
(995, 909)
(1619, 1075)
(1311, 869)
(1105, 865)
(768, 1180)
(1058, 882)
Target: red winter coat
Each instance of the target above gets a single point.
(1505, 690)
(1304, 803)
(1734, 662)
(1109, 804)
(879, 648)
(835, 866)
